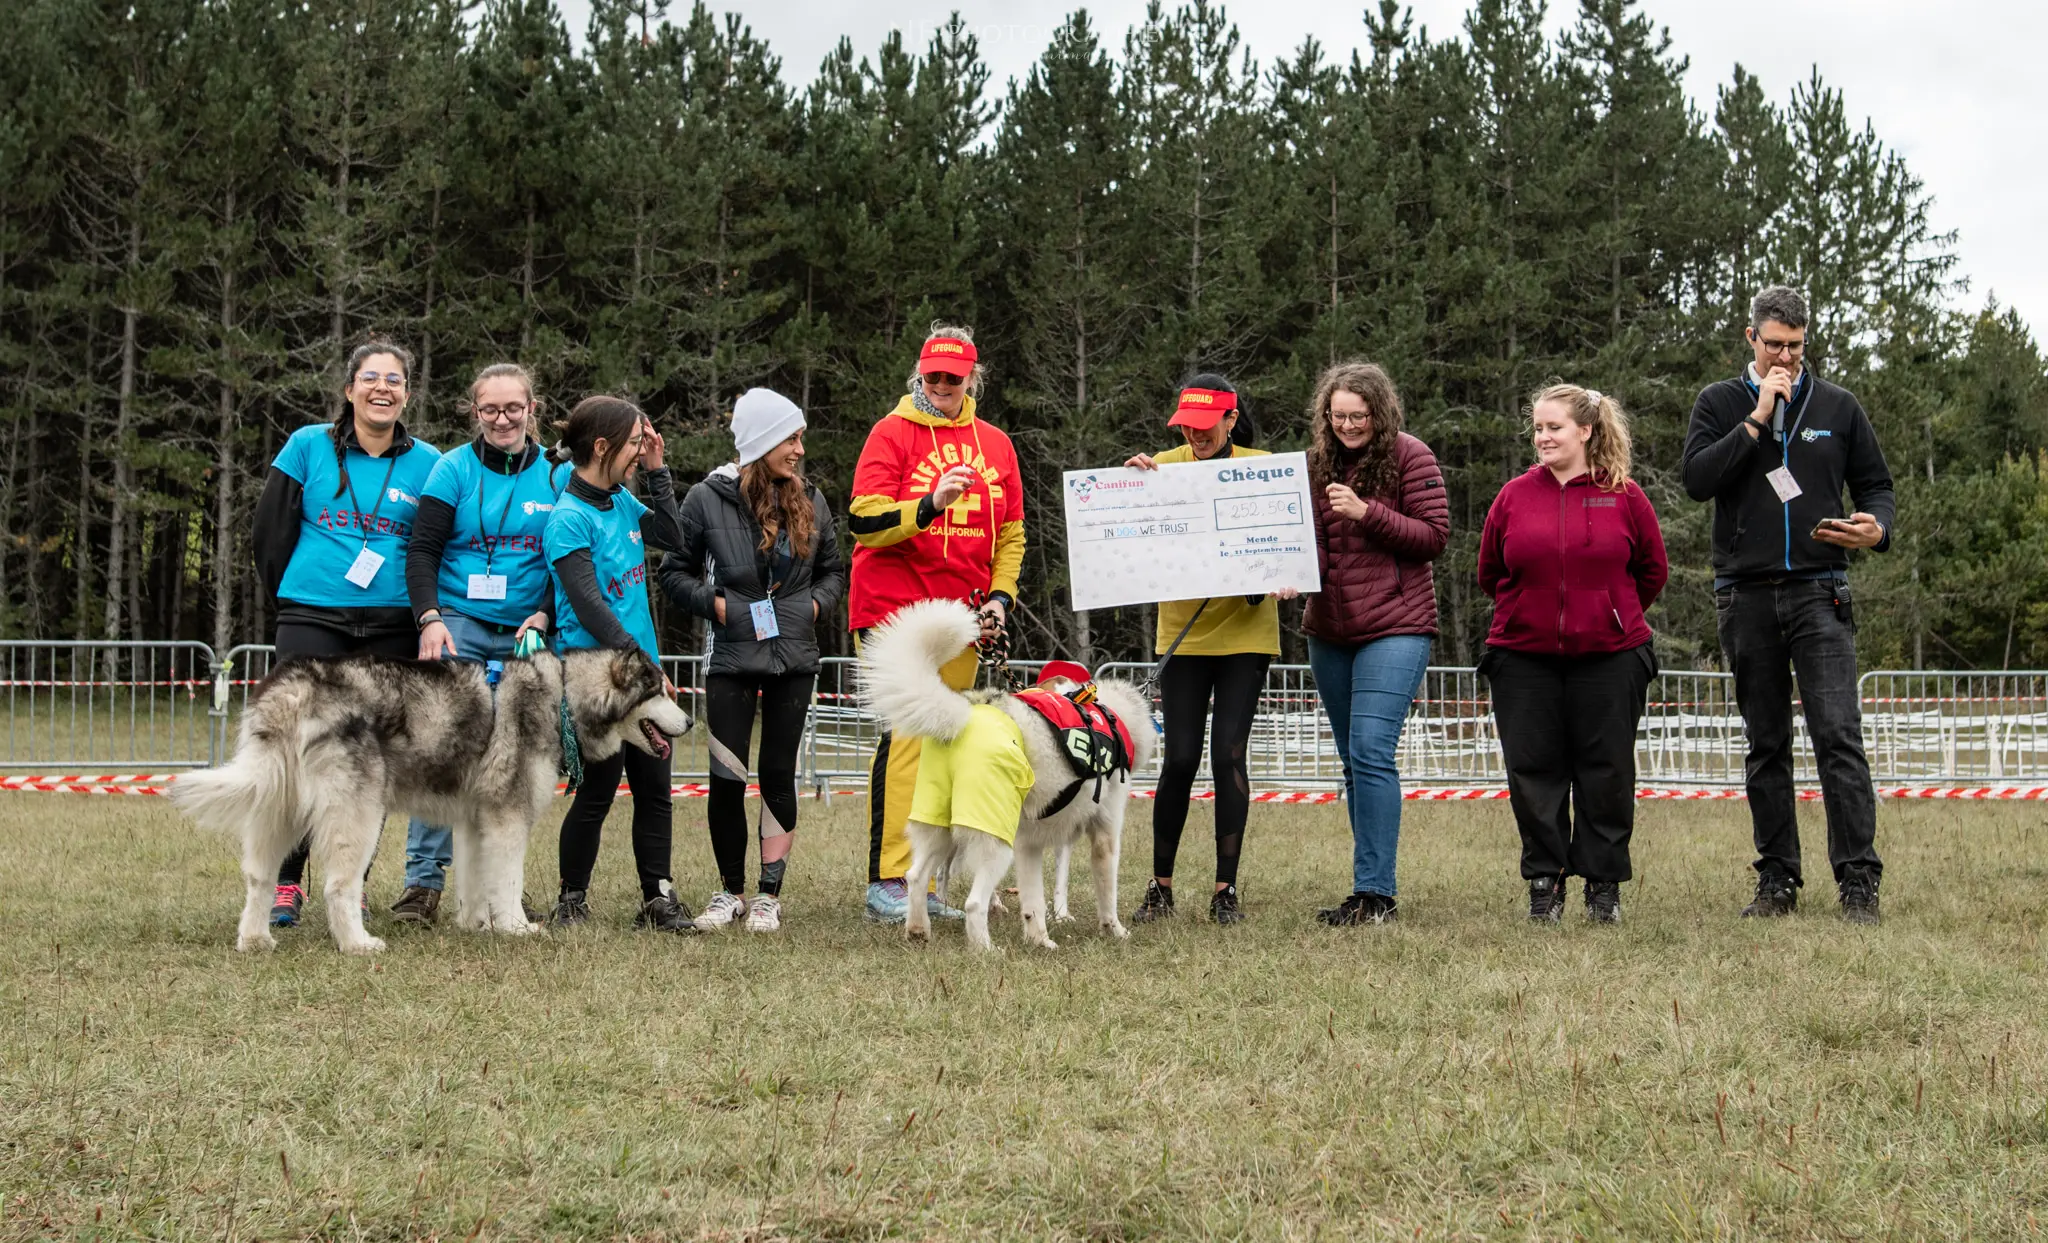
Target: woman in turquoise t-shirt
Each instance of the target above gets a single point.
(596, 544)
(474, 570)
(331, 530)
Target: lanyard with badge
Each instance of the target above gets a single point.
(367, 563)
(489, 586)
(763, 611)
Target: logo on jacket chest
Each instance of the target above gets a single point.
(1811, 434)
(1603, 502)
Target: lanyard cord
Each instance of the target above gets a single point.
(382, 490)
(483, 532)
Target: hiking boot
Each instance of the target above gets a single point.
(1359, 908)
(663, 913)
(764, 913)
(1157, 904)
(417, 905)
(1603, 901)
(1859, 895)
(1223, 907)
(888, 901)
(571, 909)
(722, 910)
(1546, 899)
(285, 907)
(1776, 895)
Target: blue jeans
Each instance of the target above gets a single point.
(430, 848)
(1366, 690)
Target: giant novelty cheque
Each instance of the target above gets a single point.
(1226, 527)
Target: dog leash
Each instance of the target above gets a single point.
(992, 650)
(1152, 678)
(531, 644)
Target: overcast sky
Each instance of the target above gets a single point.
(1957, 88)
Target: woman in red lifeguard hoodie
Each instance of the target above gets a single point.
(1572, 556)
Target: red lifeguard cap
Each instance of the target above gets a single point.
(1067, 669)
(948, 354)
(1202, 408)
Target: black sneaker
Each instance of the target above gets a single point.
(1859, 895)
(287, 906)
(1223, 907)
(571, 909)
(664, 913)
(1359, 908)
(1158, 903)
(1603, 901)
(1546, 899)
(417, 905)
(1776, 895)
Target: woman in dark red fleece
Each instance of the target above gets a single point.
(1572, 556)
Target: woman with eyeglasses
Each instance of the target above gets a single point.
(331, 530)
(474, 570)
(1216, 650)
(937, 513)
(1381, 519)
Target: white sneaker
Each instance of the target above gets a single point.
(721, 910)
(764, 914)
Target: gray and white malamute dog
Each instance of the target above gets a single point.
(330, 747)
(900, 682)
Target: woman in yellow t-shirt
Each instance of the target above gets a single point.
(1216, 649)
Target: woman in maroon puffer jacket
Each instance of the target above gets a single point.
(1381, 518)
(1572, 555)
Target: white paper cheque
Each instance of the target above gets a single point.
(1234, 527)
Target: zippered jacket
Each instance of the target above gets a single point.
(1829, 445)
(1376, 576)
(1571, 567)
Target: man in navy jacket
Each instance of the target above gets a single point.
(1774, 449)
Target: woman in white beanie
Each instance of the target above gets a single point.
(760, 563)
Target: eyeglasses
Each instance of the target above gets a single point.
(1347, 419)
(943, 377)
(1790, 349)
(513, 411)
(392, 379)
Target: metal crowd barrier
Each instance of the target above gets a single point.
(107, 706)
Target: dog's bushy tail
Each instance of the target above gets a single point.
(899, 668)
(258, 788)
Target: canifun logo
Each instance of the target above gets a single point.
(399, 496)
(537, 507)
(1085, 488)
(1812, 434)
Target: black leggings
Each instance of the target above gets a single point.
(729, 700)
(653, 829)
(296, 639)
(1185, 687)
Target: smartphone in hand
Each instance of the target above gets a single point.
(1832, 524)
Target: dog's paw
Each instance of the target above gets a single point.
(1115, 928)
(917, 936)
(368, 945)
(254, 942)
(1063, 917)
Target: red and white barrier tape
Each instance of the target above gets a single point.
(159, 783)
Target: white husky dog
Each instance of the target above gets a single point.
(331, 747)
(900, 683)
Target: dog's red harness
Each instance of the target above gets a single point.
(1095, 739)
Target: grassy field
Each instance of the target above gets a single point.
(1461, 1075)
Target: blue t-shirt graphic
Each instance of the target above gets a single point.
(375, 511)
(616, 554)
(499, 523)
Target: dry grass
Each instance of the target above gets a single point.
(1461, 1075)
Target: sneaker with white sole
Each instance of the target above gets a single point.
(722, 910)
(764, 914)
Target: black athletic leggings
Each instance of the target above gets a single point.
(648, 778)
(1185, 688)
(295, 639)
(729, 701)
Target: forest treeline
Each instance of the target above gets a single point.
(203, 203)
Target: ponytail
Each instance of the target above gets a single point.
(1607, 449)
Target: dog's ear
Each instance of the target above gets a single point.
(624, 674)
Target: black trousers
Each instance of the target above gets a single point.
(653, 827)
(296, 639)
(1769, 631)
(1568, 737)
(1186, 686)
(730, 701)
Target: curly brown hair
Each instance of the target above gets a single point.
(775, 502)
(1369, 472)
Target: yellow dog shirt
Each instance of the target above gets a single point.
(995, 775)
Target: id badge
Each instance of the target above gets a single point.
(764, 619)
(366, 567)
(487, 586)
(1784, 484)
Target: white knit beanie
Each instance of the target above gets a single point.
(762, 419)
